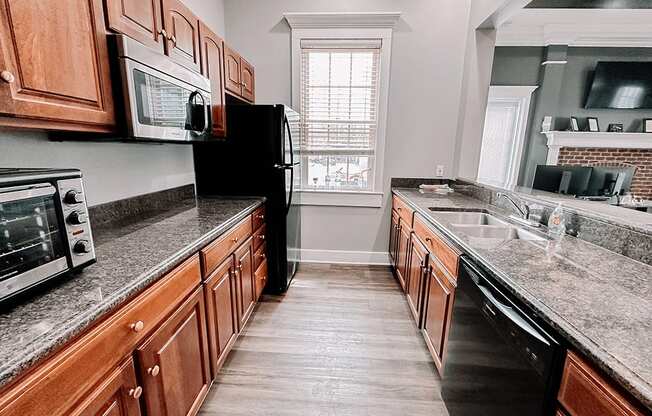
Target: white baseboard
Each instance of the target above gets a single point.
(344, 257)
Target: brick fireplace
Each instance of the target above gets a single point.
(606, 149)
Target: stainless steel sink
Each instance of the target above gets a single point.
(499, 232)
(471, 218)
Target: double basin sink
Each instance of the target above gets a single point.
(481, 224)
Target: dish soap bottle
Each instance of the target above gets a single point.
(557, 222)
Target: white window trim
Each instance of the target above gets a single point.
(524, 95)
(347, 26)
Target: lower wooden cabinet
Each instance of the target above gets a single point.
(438, 306)
(402, 253)
(245, 285)
(117, 395)
(221, 310)
(173, 363)
(393, 238)
(261, 278)
(416, 271)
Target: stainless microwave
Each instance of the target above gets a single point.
(163, 100)
(44, 227)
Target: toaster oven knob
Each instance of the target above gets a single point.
(82, 247)
(74, 197)
(77, 217)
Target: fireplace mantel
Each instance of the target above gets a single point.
(586, 139)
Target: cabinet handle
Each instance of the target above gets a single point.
(7, 77)
(261, 236)
(428, 240)
(163, 33)
(153, 371)
(240, 266)
(260, 216)
(136, 392)
(399, 209)
(261, 255)
(235, 239)
(173, 39)
(137, 326)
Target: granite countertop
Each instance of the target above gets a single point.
(130, 256)
(598, 300)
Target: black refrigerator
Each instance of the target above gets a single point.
(260, 157)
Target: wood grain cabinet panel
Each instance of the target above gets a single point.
(174, 363)
(138, 19)
(221, 299)
(403, 210)
(55, 65)
(117, 395)
(584, 392)
(258, 217)
(232, 71)
(212, 67)
(416, 270)
(182, 27)
(438, 304)
(248, 80)
(246, 284)
(436, 245)
(403, 253)
(393, 238)
(213, 255)
(261, 278)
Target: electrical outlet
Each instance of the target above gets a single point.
(440, 171)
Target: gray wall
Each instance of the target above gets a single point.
(562, 91)
(112, 170)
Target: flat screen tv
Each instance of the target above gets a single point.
(621, 85)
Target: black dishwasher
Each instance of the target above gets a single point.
(499, 361)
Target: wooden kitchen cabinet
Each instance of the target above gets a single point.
(248, 78)
(403, 253)
(173, 363)
(245, 282)
(438, 304)
(138, 19)
(54, 66)
(221, 310)
(393, 238)
(239, 75)
(182, 28)
(212, 67)
(117, 395)
(416, 271)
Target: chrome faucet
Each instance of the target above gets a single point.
(523, 211)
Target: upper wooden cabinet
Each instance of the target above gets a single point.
(174, 363)
(54, 65)
(182, 28)
(239, 75)
(138, 19)
(212, 67)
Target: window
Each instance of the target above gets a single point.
(339, 105)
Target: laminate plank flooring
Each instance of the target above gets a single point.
(340, 342)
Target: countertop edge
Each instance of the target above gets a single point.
(624, 376)
(14, 370)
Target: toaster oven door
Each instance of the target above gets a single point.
(32, 246)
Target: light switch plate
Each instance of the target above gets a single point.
(440, 170)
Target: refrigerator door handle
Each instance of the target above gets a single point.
(287, 126)
(287, 209)
(286, 166)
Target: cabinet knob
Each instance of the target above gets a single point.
(261, 255)
(153, 371)
(428, 240)
(7, 77)
(261, 236)
(240, 266)
(260, 216)
(136, 392)
(399, 209)
(173, 39)
(234, 239)
(163, 33)
(137, 326)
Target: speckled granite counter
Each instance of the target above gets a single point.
(599, 301)
(130, 256)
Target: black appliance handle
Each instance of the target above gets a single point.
(190, 125)
(287, 209)
(286, 124)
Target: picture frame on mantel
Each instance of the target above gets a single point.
(574, 124)
(647, 125)
(593, 124)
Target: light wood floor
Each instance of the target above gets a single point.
(340, 342)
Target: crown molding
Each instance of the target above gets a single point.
(577, 35)
(342, 20)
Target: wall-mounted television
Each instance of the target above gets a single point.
(625, 85)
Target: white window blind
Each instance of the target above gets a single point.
(339, 104)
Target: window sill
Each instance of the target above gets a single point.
(366, 199)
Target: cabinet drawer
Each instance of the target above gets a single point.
(259, 237)
(260, 255)
(435, 244)
(55, 386)
(213, 255)
(258, 217)
(403, 210)
(583, 392)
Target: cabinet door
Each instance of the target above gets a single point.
(415, 277)
(248, 80)
(55, 65)
(246, 283)
(222, 312)
(212, 67)
(393, 238)
(403, 253)
(439, 306)
(118, 395)
(173, 362)
(182, 28)
(138, 19)
(232, 71)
